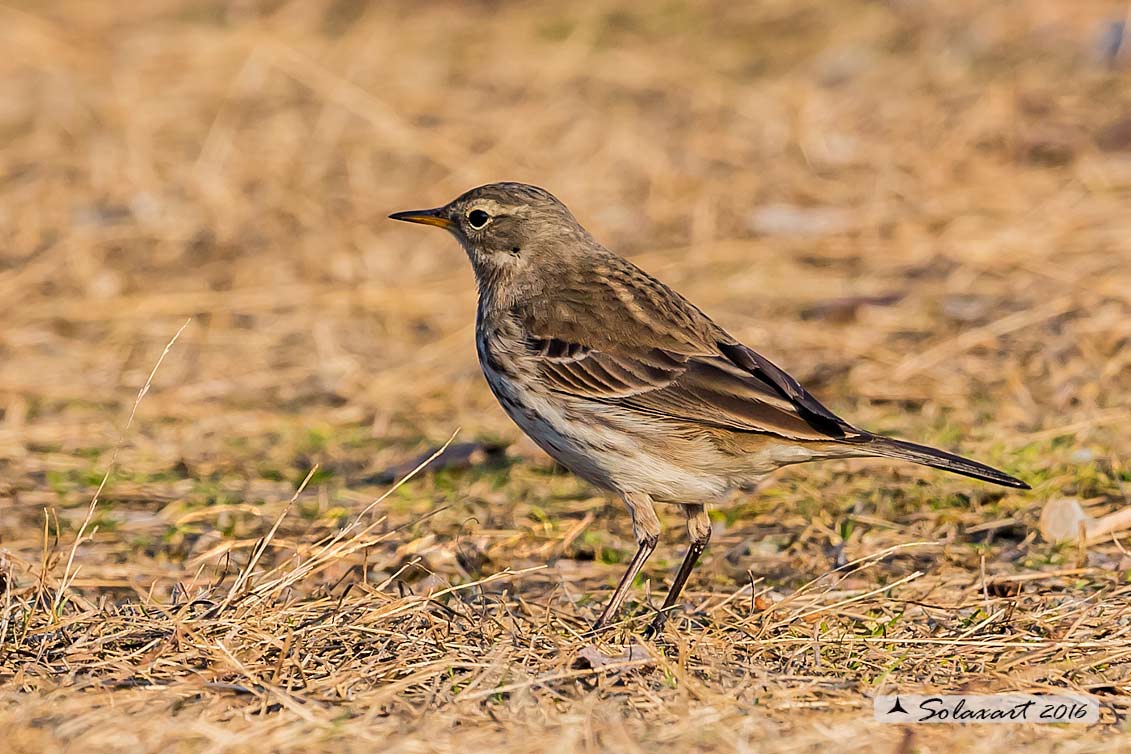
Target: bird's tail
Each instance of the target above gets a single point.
(940, 459)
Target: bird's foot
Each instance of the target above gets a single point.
(656, 627)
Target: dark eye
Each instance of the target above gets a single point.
(478, 218)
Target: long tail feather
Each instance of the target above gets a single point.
(940, 459)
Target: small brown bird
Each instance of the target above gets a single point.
(627, 383)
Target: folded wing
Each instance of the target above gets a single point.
(740, 393)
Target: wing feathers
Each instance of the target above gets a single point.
(811, 409)
(644, 347)
(709, 390)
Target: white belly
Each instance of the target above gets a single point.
(609, 449)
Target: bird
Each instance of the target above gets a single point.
(629, 385)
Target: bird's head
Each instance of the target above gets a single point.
(507, 229)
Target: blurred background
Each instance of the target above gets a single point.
(907, 202)
(920, 208)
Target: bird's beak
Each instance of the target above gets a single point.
(435, 217)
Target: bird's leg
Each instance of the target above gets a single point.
(646, 529)
(645, 550)
(699, 530)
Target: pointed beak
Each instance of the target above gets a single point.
(437, 217)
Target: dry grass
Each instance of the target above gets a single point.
(920, 208)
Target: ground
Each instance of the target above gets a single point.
(918, 208)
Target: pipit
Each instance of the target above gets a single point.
(628, 384)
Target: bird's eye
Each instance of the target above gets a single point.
(478, 218)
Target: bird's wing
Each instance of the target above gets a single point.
(662, 356)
